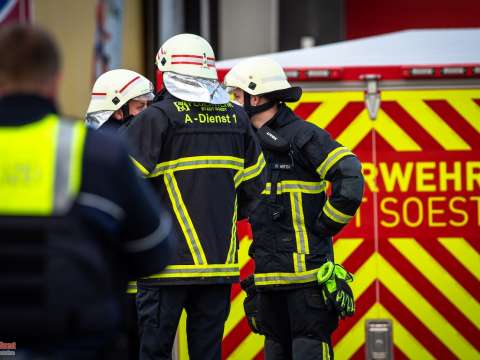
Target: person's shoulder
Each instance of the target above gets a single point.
(242, 115)
(307, 132)
(103, 148)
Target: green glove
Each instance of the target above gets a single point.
(334, 279)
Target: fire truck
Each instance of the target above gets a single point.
(408, 105)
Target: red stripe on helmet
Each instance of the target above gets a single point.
(190, 63)
(127, 84)
(105, 94)
(193, 56)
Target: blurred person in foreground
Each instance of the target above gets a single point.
(200, 153)
(75, 221)
(297, 293)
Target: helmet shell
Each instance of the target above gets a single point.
(115, 88)
(187, 54)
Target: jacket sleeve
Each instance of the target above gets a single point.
(144, 136)
(338, 165)
(250, 181)
(146, 231)
(122, 209)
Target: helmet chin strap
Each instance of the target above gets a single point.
(125, 111)
(253, 110)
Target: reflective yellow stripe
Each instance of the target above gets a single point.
(140, 167)
(132, 287)
(40, 166)
(184, 219)
(254, 170)
(251, 171)
(332, 158)
(288, 186)
(237, 179)
(233, 237)
(199, 162)
(299, 264)
(185, 271)
(335, 214)
(298, 220)
(326, 351)
(285, 278)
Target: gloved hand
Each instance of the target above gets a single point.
(334, 279)
(250, 303)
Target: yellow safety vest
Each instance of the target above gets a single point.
(40, 166)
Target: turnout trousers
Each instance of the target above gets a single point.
(159, 309)
(297, 324)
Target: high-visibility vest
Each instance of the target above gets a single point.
(40, 167)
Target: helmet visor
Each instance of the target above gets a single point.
(195, 89)
(148, 97)
(96, 119)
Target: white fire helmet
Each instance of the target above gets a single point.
(187, 54)
(112, 90)
(188, 65)
(262, 75)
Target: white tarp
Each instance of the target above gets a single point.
(410, 47)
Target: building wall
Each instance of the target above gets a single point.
(247, 27)
(72, 24)
(322, 22)
(133, 36)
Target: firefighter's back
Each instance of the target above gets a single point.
(202, 153)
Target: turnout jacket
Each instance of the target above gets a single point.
(295, 221)
(206, 165)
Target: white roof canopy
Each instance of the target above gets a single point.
(411, 47)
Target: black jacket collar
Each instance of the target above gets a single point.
(22, 109)
(283, 117)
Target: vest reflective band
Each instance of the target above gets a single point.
(250, 172)
(40, 167)
(198, 162)
(289, 186)
(263, 279)
(189, 271)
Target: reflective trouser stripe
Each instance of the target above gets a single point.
(184, 219)
(285, 278)
(186, 271)
(233, 237)
(251, 171)
(298, 220)
(288, 186)
(299, 262)
(199, 162)
(332, 158)
(335, 214)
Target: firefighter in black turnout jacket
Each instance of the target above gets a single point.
(201, 154)
(301, 292)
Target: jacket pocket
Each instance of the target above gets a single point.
(314, 298)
